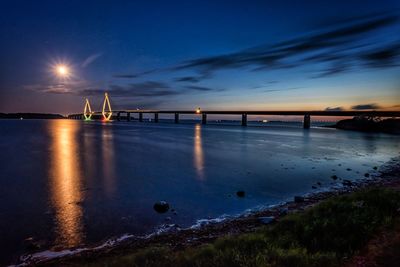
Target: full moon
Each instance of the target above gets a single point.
(62, 71)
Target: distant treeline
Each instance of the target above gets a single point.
(30, 116)
(365, 124)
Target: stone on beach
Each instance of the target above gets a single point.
(298, 199)
(240, 193)
(347, 183)
(266, 219)
(161, 206)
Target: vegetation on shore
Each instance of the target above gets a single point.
(370, 124)
(325, 235)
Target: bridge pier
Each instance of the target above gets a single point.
(155, 117)
(307, 121)
(141, 117)
(244, 119)
(204, 118)
(118, 116)
(128, 116)
(176, 117)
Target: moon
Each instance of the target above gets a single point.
(62, 71)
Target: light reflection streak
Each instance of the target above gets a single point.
(65, 182)
(198, 153)
(107, 149)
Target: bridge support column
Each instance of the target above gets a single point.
(128, 116)
(141, 117)
(306, 121)
(155, 117)
(118, 116)
(176, 117)
(244, 119)
(204, 118)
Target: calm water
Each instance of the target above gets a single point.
(71, 183)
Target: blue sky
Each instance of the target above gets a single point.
(212, 54)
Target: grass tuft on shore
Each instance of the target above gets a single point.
(324, 235)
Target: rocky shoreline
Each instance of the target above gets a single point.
(177, 238)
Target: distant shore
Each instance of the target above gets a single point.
(30, 116)
(177, 239)
(364, 124)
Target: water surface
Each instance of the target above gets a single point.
(71, 183)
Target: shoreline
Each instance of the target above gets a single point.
(200, 233)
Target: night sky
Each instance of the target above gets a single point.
(270, 55)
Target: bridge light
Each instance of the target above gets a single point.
(87, 111)
(106, 104)
(198, 110)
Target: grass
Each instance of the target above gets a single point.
(324, 235)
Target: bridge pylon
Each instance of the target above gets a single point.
(87, 111)
(107, 111)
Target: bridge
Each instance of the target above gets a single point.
(107, 115)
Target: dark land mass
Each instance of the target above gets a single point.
(354, 225)
(30, 116)
(370, 124)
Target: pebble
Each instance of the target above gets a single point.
(240, 193)
(266, 219)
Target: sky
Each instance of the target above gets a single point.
(217, 55)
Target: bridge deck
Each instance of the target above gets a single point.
(268, 112)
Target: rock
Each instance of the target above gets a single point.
(334, 177)
(358, 204)
(283, 211)
(347, 183)
(313, 187)
(161, 206)
(240, 193)
(168, 219)
(298, 199)
(375, 168)
(319, 183)
(32, 244)
(267, 219)
(348, 169)
(366, 174)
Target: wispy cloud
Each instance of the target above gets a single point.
(334, 109)
(365, 106)
(342, 48)
(90, 59)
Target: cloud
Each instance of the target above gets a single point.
(84, 88)
(280, 90)
(193, 79)
(339, 47)
(383, 57)
(89, 60)
(334, 109)
(365, 106)
(125, 76)
(133, 75)
(66, 87)
(199, 88)
(144, 89)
